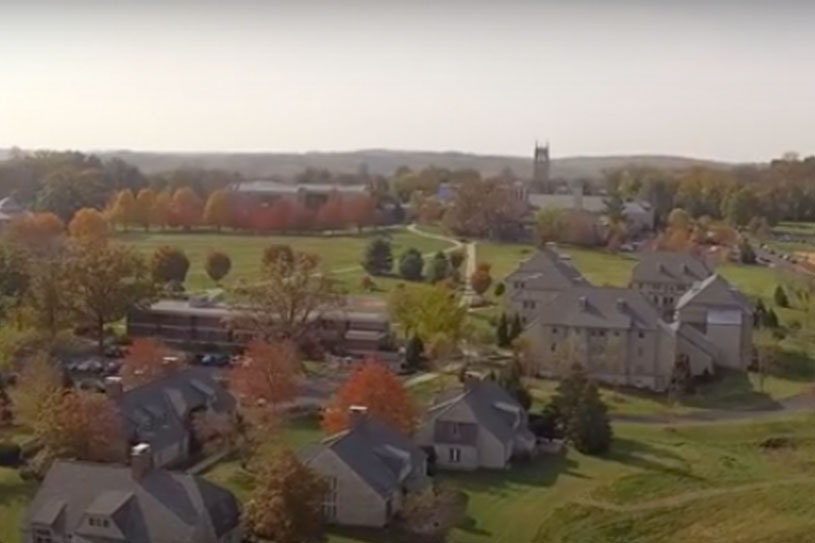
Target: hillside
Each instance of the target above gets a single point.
(386, 161)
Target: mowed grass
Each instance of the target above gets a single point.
(14, 496)
(674, 484)
(339, 253)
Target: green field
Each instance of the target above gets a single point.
(339, 253)
(14, 495)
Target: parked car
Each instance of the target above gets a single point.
(217, 360)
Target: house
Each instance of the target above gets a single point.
(478, 426)
(664, 276)
(86, 502)
(310, 195)
(10, 209)
(162, 413)
(723, 315)
(370, 469)
(616, 334)
(538, 280)
(204, 325)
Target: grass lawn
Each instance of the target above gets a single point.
(14, 495)
(338, 252)
(678, 484)
(787, 227)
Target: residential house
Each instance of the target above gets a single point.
(162, 413)
(664, 276)
(10, 209)
(370, 469)
(616, 334)
(723, 315)
(83, 502)
(538, 280)
(478, 426)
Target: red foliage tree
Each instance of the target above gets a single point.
(359, 211)
(187, 208)
(266, 375)
(147, 360)
(301, 218)
(331, 215)
(373, 386)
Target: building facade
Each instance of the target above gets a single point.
(664, 276)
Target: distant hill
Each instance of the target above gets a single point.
(380, 161)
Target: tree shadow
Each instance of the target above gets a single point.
(649, 458)
(730, 390)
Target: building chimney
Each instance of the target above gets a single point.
(141, 461)
(356, 415)
(113, 387)
(583, 302)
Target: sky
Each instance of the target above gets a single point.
(729, 80)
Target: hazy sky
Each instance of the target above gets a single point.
(730, 80)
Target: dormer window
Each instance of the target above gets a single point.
(98, 522)
(43, 535)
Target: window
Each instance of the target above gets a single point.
(42, 536)
(455, 455)
(554, 347)
(98, 522)
(329, 506)
(602, 333)
(641, 334)
(554, 330)
(455, 429)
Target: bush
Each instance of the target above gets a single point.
(499, 290)
(10, 454)
(411, 264)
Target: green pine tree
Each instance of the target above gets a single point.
(502, 331)
(515, 328)
(414, 353)
(771, 320)
(410, 265)
(780, 297)
(568, 393)
(438, 268)
(378, 258)
(589, 428)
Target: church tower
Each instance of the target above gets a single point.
(540, 170)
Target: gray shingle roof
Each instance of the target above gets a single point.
(715, 291)
(548, 269)
(276, 187)
(600, 307)
(157, 412)
(670, 267)
(161, 506)
(375, 451)
(489, 402)
(694, 336)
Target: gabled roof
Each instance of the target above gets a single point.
(600, 307)
(695, 337)
(548, 269)
(380, 455)
(670, 267)
(492, 406)
(161, 506)
(156, 412)
(715, 291)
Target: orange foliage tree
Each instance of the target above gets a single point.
(161, 210)
(218, 209)
(186, 208)
(84, 426)
(88, 225)
(145, 204)
(35, 231)
(481, 279)
(375, 387)
(266, 375)
(147, 360)
(123, 209)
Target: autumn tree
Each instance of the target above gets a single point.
(218, 265)
(481, 279)
(160, 213)
(286, 503)
(218, 209)
(50, 295)
(279, 255)
(38, 388)
(15, 277)
(427, 311)
(330, 216)
(88, 225)
(107, 279)
(123, 210)
(378, 259)
(169, 264)
(548, 227)
(37, 232)
(145, 208)
(83, 426)
(266, 375)
(288, 300)
(373, 386)
(481, 208)
(186, 208)
(457, 258)
(359, 211)
(147, 360)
